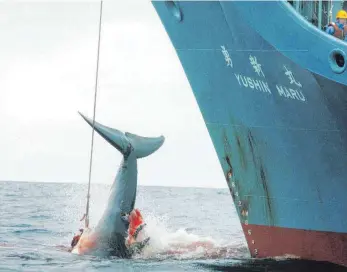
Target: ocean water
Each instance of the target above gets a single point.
(38, 221)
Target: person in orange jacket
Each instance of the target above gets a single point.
(136, 224)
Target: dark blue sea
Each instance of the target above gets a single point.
(38, 221)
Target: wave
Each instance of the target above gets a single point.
(32, 231)
(19, 226)
(40, 217)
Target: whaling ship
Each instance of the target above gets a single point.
(271, 86)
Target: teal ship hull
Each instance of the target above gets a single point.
(272, 89)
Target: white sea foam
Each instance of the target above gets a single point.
(180, 244)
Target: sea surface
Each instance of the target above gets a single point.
(38, 221)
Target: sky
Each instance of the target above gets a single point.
(47, 74)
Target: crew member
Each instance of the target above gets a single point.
(76, 238)
(339, 27)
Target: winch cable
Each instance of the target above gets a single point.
(86, 215)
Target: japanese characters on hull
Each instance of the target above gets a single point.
(259, 82)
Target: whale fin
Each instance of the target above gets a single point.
(142, 146)
(137, 247)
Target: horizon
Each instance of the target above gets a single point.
(110, 184)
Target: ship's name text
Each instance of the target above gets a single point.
(263, 86)
(252, 83)
(290, 93)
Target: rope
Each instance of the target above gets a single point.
(92, 145)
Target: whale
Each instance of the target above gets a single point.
(108, 238)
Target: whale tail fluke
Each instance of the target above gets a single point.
(142, 146)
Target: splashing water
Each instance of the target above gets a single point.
(180, 244)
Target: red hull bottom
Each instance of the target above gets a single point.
(265, 241)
